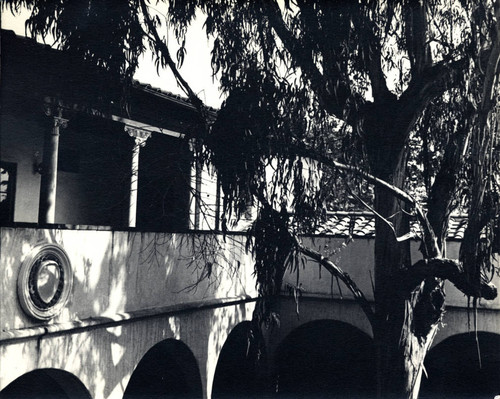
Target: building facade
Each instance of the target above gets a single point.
(111, 287)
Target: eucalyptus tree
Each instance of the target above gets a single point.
(392, 98)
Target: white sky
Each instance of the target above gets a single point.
(196, 68)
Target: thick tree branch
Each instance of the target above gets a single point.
(433, 82)
(416, 38)
(429, 238)
(450, 270)
(333, 99)
(344, 277)
(443, 189)
(163, 49)
(373, 58)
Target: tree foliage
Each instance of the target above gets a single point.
(391, 105)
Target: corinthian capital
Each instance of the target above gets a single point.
(60, 122)
(139, 135)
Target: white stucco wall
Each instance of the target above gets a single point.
(126, 286)
(357, 259)
(22, 143)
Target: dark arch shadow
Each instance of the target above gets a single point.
(453, 368)
(45, 384)
(326, 358)
(168, 370)
(241, 366)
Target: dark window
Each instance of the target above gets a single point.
(7, 191)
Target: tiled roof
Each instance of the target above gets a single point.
(363, 225)
(456, 227)
(146, 87)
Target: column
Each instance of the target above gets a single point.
(140, 137)
(48, 184)
(195, 201)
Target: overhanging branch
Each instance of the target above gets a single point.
(183, 84)
(482, 140)
(332, 100)
(448, 269)
(344, 277)
(429, 238)
(433, 82)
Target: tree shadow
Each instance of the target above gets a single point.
(128, 295)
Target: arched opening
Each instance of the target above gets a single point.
(241, 365)
(454, 370)
(44, 384)
(326, 358)
(167, 370)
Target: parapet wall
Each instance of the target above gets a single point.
(125, 272)
(357, 259)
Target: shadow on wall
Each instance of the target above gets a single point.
(455, 371)
(118, 272)
(326, 358)
(87, 355)
(44, 384)
(168, 370)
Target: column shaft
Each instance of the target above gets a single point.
(134, 180)
(48, 184)
(140, 137)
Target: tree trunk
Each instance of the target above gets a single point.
(406, 321)
(390, 257)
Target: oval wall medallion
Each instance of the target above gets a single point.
(45, 281)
